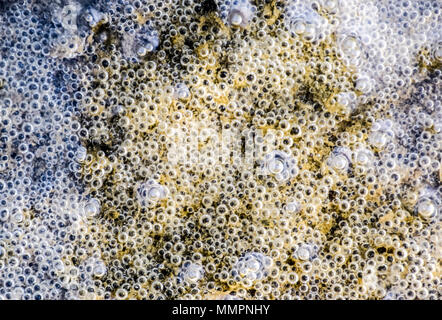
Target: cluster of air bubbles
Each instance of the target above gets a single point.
(348, 100)
(77, 22)
(99, 268)
(381, 133)
(151, 191)
(340, 159)
(293, 207)
(350, 47)
(253, 266)
(280, 165)
(363, 157)
(146, 40)
(306, 252)
(220, 149)
(191, 272)
(93, 17)
(304, 21)
(92, 208)
(237, 13)
(140, 42)
(428, 205)
(364, 84)
(181, 91)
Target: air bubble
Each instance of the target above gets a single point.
(241, 11)
(151, 191)
(340, 159)
(191, 272)
(92, 208)
(280, 165)
(253, 266)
